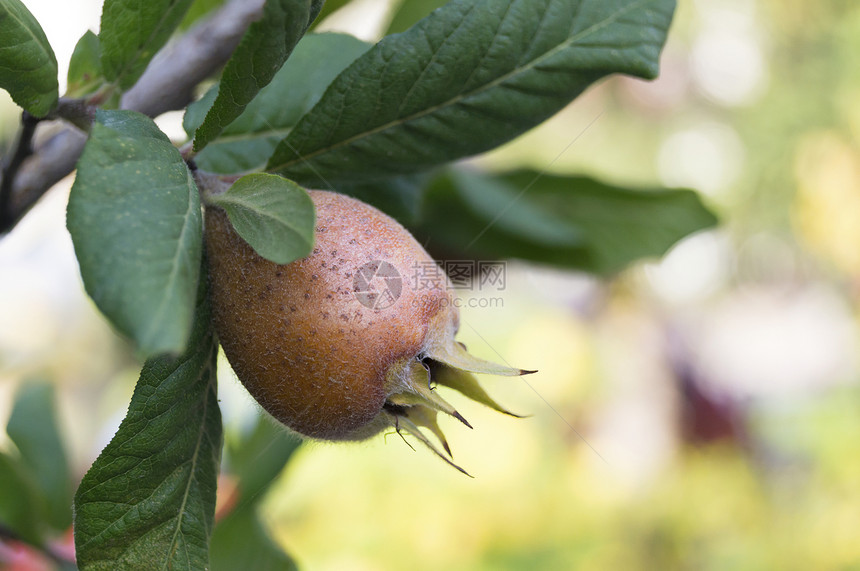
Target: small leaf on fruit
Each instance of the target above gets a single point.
(275, 216)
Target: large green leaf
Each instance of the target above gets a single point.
(28, 67)
(132, 31)
(85, 67)
(135, 220)
(263, 50)
(249, 141)
(275, 216)
(620, 224)
(472, 75)
(148, 502)
(571, 222)
(33, 428)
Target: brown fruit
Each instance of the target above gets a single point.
(343, 343)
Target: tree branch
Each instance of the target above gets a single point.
(78, 112)
(21, 149)
(168, 84)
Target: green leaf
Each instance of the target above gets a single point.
(472, 75)
(135, 220)
(451, 223)
(411, 11)
(132, 31)
(620, 224)
(18, 500)
(257, 459)
(241, 541)
(263, 50)
(249, 141)
(571, 222)
(148, 502)
(275, 216)
(28, 67)
(33, 428)
(85, 67)
(493, 200)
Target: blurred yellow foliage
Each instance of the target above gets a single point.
(827, 205)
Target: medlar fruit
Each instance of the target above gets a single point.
(341, 344)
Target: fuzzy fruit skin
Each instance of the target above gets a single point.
(296, 336)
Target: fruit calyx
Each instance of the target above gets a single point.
(415, 403)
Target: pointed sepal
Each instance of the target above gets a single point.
(455, 354)
(402, 424)
(424, 417)
(466, 384)
(424, 396)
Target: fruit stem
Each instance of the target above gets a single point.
(211, 184)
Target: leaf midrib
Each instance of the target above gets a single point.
(172, 278)
(194, 458)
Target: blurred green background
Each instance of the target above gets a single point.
(696, 412)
